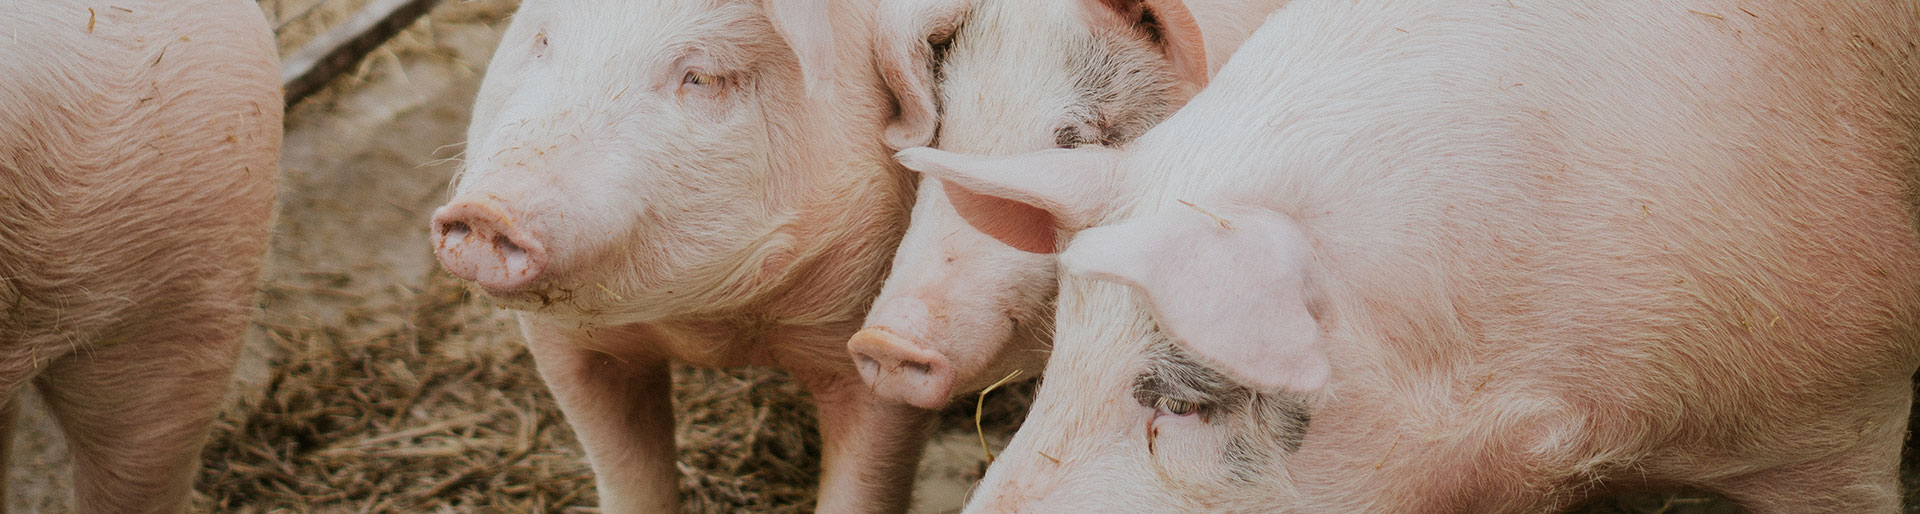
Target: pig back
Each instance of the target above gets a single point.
(1710, 227)
(1754, 191)
(138, 152)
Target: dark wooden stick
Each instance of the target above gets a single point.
(340, 48)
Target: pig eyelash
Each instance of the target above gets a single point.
(1178, 408)
(695, 78)
(1072, 136)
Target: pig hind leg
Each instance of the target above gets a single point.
(136, 413)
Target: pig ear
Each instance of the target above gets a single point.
(1230, 288)
(1023, 200)
(908, 33)
(1175, 29)
(808, 30)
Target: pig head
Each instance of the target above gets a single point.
(960, 308)
(655, 167)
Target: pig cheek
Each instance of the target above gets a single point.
(708, 105)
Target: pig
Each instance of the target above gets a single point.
(959, 308)
(138, 155)
(1433, 256)
(662, 181)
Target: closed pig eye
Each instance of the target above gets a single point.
(701, 76)
(1076, 134)
(1172, 407)
(695, 78)
(696, 83)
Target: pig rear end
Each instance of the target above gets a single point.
(138, 151)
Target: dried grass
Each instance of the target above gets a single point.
(380, 420)
(398, 421)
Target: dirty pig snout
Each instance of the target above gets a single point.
(902, 369)
(482, 242)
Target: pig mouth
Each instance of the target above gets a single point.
(543, 298)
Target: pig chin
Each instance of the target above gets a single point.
(545, 299)
(558, 284)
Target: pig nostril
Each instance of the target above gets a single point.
(455, 229)
(506, 246)
(917, 367)
(866, 363)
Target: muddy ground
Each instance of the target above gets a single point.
(373, 382)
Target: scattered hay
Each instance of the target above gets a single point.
(418, 416)
(389, 423)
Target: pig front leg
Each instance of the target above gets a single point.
(136, 413)
(621, 408)
(871, 446)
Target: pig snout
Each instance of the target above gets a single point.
(483, 243)
(899, 368)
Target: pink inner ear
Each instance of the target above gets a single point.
(808, 29)
(1024, 227)
(1024, 200)
(907, 33)
(1185, 46)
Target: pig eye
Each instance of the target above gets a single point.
(1179, 408)
(1074, 135)
(699, 79)
(540, 43)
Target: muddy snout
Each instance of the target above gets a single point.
(482, 242)
(898, 368)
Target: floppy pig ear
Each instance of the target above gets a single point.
(1230, 289)
(907, 34)
(808, 29)
(1174, 26)
(1022, 200)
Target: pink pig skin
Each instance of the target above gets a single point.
(663, 181)
(1515, 254)
(139, 146)
(961, 309)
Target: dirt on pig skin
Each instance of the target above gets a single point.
(374, 383)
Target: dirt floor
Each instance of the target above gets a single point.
(374, 383)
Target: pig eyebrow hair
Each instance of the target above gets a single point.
(1123, 86)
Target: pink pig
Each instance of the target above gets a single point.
(960, 309)
(693, 181)
(1433, 256)
(139, 146)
